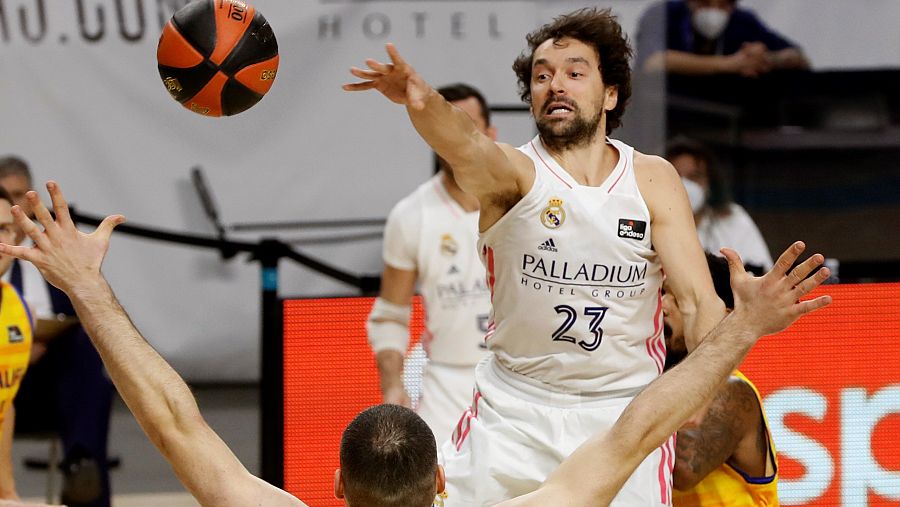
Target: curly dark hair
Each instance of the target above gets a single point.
(595, 27)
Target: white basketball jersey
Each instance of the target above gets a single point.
(576, 282)
(429, 232)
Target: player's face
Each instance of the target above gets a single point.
(568, 97)
(673, 325)
(8, 231)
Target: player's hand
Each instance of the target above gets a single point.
(396, 396)
(397, 80)
(771, 303)
(67, 257)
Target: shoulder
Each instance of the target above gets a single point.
(414, 201)
(738, 397)
(655, 174)
(652, 165)
(676, 8)
(745, 18)
(518, 155)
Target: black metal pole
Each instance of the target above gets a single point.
(272, 364)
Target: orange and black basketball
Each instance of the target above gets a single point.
(217, 57)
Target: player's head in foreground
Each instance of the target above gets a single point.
(388, 459)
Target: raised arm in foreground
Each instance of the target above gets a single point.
(497, 174)
(593, 474)
(157, 396)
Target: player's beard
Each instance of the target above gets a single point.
(560, 136)
(673, 355)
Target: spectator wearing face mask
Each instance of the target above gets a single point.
(706, 37)
(720, 221)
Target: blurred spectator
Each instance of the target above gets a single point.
(66, 389)
(720, 222)
(703, 37)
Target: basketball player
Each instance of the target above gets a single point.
(575, 231)
(430, 238)
(15, 349)
(725, 456)
(163, 405)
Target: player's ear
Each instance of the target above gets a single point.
(338, 484)
(440, 480)
(612, 98)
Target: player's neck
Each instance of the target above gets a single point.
(589, 164)
(467, 202)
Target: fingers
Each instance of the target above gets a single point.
(383, 68)
(735, 264)
(19, 252)
(358, 87)
(394, 54)
(41, 213)
(800, 273)
(803, 288)
(60, 206)
(365, 74)
(29, 227)
(812, 305)
(787, 259)
(105, 229)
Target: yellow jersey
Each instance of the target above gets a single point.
(727, 486)
(16, 328)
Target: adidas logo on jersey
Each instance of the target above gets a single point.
(548, 245)
(453, 270)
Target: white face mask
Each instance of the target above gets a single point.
(696, 194)
(710, 22)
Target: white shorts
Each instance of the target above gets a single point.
(446, 392)
(515, 434)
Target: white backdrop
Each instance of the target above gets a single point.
(82, 102)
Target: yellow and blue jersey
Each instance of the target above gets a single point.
(16, 331)
(727, 486)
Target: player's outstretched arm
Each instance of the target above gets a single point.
(481, 167)
(675, 239)
(157, 396)
(595, 472)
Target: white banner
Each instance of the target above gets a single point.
(83, 103)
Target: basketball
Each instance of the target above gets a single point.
(217, 57)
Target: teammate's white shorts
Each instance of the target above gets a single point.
(446, 392)
(516, 433)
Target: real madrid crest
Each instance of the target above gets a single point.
(553, 215)
(448, 245)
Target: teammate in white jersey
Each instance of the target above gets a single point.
(430, 239)
(575, 231)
